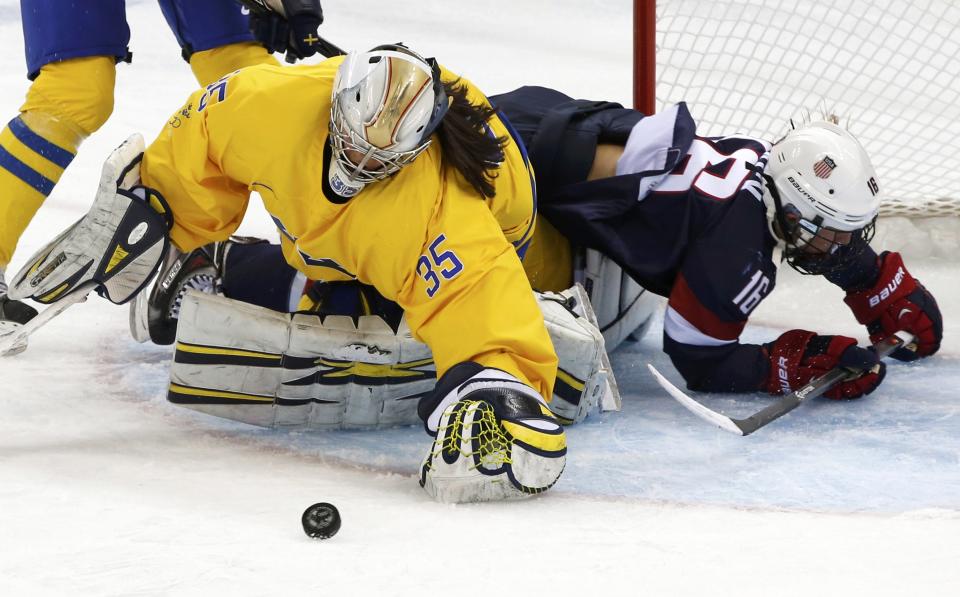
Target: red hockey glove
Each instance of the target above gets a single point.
(798, 356)
(898, 302)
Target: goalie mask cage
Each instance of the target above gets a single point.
(889, 69)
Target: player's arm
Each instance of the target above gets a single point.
(470, 301)
(886, 298)
(777, 367)
(464, 294)
(701, 336)
(188, 164)
(468, 298)
(706, 313)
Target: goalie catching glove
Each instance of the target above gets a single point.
(798, 356)
(114, 248)
(897, 302)
(495, 439)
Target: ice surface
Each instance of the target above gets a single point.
(105, 488)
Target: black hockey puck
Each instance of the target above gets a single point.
(321, 521)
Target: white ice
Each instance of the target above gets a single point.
(107, 489)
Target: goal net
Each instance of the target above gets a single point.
(889, 69)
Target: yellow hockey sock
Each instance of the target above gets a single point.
(68, 101)
(34, 151)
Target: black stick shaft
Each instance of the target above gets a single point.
(814, 388)
(326, 49)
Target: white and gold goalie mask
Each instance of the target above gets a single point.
(386, 104)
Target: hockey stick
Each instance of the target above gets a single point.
(325, 48)
(264, 8)
(812, 389)
(15, 341)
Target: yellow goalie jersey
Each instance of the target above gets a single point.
(423, 237)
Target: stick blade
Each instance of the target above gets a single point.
(722, 421)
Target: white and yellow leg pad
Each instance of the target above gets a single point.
(585, 380)
(114, 248)
(622, 307)
(246, 363)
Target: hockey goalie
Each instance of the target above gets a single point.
(418, 190)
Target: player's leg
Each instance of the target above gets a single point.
(245, 269)
(214, 36)
(69, 101)
(71, 51)
(572, 142)
(210, 65)
(252, 271)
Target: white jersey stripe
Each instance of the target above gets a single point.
(681, 330)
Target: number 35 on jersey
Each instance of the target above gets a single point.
(438, 265)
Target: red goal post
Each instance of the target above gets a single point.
(889, 69)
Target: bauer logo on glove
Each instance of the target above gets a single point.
(898, 302)
(799, 356)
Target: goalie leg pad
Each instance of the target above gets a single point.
(623, 307)
(585, 380)
(341, 372)
(117, 245)
(247, 363)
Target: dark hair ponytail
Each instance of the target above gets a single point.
(467, 143)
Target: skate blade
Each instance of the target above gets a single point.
(15, 341)
(139, 328)
(10, 328)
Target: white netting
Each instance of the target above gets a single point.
(889, 68)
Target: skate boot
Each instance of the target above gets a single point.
(13, 314)
(154, 314)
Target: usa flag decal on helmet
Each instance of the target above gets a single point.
(824, 167)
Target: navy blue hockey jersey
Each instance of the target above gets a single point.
(684, 217)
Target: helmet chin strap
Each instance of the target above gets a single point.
(790, 252)
(341, 183)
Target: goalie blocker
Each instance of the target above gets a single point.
(246, 363)
(114, 249)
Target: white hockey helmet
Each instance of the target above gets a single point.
(386, 103)
(822, 196)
